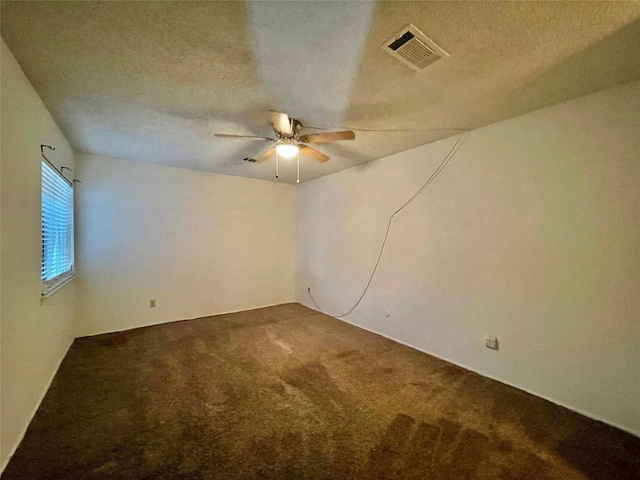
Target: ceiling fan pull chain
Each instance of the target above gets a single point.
(277, 176)
(298, 181)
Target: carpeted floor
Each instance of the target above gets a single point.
(287, 393)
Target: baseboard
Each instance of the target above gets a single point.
(466, 367)
(184, 319)
(26, 427)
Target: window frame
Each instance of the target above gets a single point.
(53, 284)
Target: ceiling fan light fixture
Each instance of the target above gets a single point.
(287, 150)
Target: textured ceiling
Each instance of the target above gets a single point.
(153, 81)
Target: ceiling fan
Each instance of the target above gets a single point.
(289, 142)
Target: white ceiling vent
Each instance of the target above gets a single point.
(413, 48)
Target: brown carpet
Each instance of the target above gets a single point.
(288, 393)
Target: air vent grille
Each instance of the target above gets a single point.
(415, 51)
(413, 48)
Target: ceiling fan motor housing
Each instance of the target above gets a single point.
(294, 136)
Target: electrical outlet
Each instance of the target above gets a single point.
(491, 342)
(152, 303)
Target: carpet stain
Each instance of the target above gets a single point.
(287, 393)
(347, 353)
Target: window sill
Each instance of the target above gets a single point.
(57, 283)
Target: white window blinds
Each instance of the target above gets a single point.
(57, 228)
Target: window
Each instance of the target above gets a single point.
(57, 230)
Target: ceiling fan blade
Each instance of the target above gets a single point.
(253, 137)
(313, 153)
(328, 137)
(266, 155)
(281, 122)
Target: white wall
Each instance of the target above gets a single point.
(530, 234)
(35, 335)
(199, 243)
